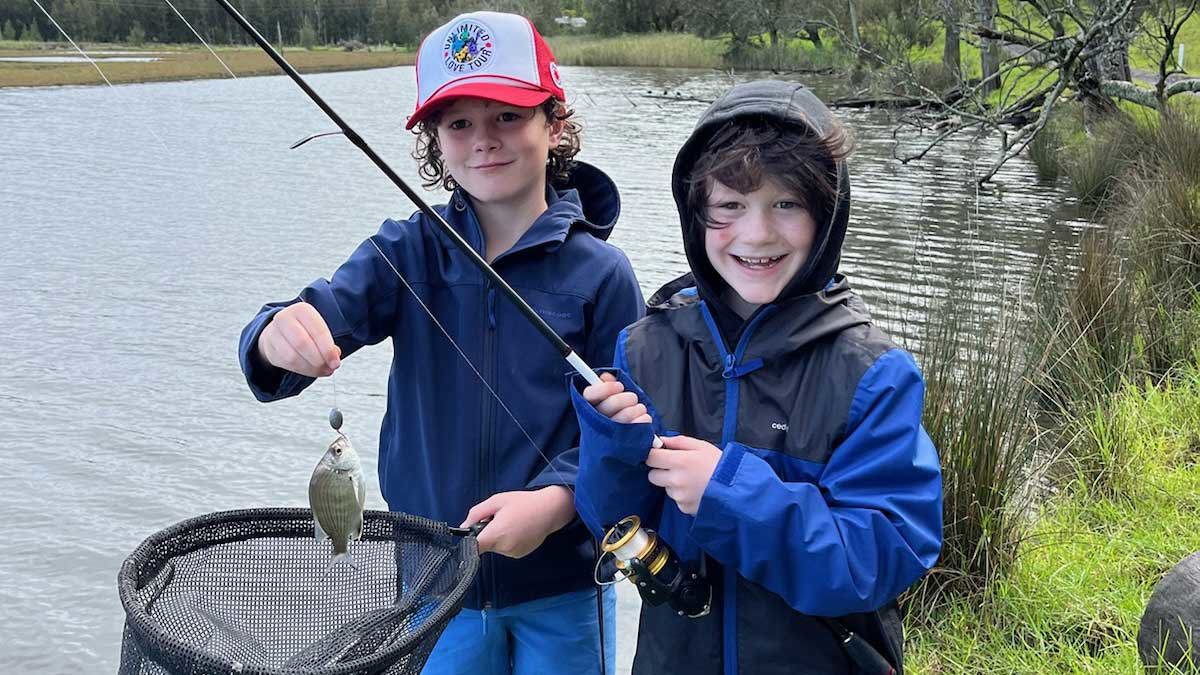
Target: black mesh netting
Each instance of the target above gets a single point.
(252, 592)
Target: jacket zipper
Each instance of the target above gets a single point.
(733, 370)
(488, 436)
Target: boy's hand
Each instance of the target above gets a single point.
(683, 466)
(521, 520)
(297, 339)
(611, 399)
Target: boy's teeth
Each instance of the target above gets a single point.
(758, 261)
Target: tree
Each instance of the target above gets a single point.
(1162, 24)
(951, 21)
(81, 18)
(32, 33)
(989, 49)
(308, 33)
(9, 33)
(137, 35)
(745, 21)
(610, 17)
(1053, 52)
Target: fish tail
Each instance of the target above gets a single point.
(340, 557)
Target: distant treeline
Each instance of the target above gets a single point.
(397, 22)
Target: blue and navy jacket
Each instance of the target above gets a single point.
(446, 444)
(826, 501)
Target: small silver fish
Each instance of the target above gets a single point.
(337, 495)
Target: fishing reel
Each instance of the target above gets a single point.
(646, 560)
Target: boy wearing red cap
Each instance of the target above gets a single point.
(493, 127)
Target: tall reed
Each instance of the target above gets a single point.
(978, 413)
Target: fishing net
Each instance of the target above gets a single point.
(252, 592)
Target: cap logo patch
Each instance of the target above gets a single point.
(467, 47)
(555, 75)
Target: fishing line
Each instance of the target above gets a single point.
(189, 25)
(77, 48)
(94, 65)
(470, 365)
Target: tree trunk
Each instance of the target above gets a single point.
(951, 57)
(854, 24)
(989, 52)
(813, 34)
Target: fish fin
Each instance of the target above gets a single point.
(360, 488)
(318, 530)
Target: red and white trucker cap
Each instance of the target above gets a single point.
(500, 57)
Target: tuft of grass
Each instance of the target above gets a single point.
(1085, 336)
(1063, 127)
(1074, 598)
(1094, 169)
(978, 390)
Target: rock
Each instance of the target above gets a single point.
(1171, 624)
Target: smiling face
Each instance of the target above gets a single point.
(757, 241)
(496, 152)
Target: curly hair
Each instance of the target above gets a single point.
(433, 171)
(744, 153)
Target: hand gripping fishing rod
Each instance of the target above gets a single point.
(530, 315)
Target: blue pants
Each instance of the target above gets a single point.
(558, 634)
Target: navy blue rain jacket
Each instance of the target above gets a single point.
(826, 501)
(446, 444)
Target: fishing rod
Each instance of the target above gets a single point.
(530, 315)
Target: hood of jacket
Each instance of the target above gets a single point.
(790, 103)
(586, 200)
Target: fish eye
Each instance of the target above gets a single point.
(337, 451)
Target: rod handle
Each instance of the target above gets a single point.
(590, 375)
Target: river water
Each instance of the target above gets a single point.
(143, 225)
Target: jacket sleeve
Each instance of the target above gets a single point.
(359, 304)
(612, 481)
(618, 304)
(858, 537)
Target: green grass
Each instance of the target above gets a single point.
(1074, 597)
(660, 50)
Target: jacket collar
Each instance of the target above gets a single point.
(790, 325)
(587, 200)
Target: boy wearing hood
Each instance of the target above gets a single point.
(493, 128)
(795, 472)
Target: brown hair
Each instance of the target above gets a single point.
(745, 152)
(433, 171)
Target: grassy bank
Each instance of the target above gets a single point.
(179, 62)
(1073, 599)
(185, 62)
(684, 50)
